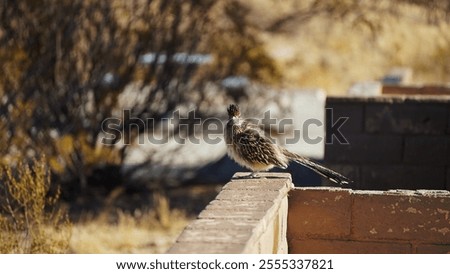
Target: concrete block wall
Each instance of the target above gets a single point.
(394, 142)
(334, 220)
(268, 215)
(247, 216)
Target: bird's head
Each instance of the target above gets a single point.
(233, 111)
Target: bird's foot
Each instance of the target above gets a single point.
(253, 175)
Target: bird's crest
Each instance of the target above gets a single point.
(233, 111)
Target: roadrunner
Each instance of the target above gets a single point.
(250, 148)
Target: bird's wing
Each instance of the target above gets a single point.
(257, 148)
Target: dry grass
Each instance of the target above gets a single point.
(149, 224)
(137, 232)
(30, 219)
(145, 229)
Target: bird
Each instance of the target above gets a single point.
(248, 146)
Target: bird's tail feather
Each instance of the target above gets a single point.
(325, 172)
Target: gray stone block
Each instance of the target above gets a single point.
(383, 177)
(448, 178)
(354, 113)
(427, 150)
(366, 149)
(409, 118)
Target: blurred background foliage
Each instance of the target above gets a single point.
(65, 63)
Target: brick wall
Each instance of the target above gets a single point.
(247, 216)
(395, 142)
(333, 220)
(259, 216)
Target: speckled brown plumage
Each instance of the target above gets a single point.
(249, 147)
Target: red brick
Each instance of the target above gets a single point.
(319, 212)
(402, 215)
(323, 246)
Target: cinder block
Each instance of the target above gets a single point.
(448, 178)
(427, 150)
(224, 224)
(325, 246)
(248, 216)
(266, 183)
(240, 205)
(249, 209)
(384, 177)
(366, 149)
(433, 249)
(406, 118)
(205, 248)
(321, 212)
(448, 120)
(353, 112)
(282, 247)
(281, 182)
(215, 236)
(248, 195)
(267, 242)
(401, 215)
